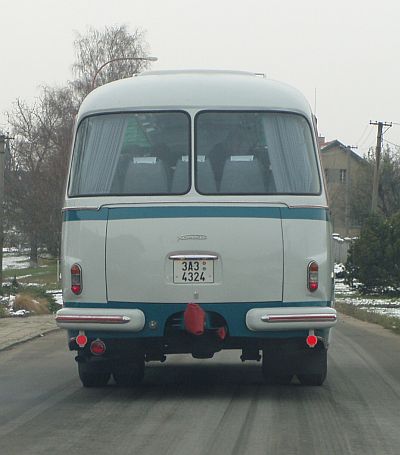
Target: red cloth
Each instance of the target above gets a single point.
(194, 319)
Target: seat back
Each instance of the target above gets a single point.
(146, 175)
(242, 174)
(205, 176)
(180, 179)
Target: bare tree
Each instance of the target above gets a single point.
(37, 167)
(98, 47)
(389, 186)
(38, 161)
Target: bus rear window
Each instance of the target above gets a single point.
(254, 153)
(132, 154)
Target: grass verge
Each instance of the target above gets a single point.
(388, 322)
(29, 285)
(44, 274)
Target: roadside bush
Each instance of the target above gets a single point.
(53, 306)
(374, 258)
(393, 252)
(34, 306)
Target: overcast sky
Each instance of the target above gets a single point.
(347, 52)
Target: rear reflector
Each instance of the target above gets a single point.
(76, 279)
(311, 341)
(81, 340)
(312, 276)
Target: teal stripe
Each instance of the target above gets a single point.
(179, 306)
(130, 213)
(85, 215)
(305, 213)
(194, 212)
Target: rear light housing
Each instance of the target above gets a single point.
(76, 279)
(97, 347)
(312, 276)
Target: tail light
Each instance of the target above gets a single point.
(76, 279)
(97, 347)
(312, 276)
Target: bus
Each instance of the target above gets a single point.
(196, 220)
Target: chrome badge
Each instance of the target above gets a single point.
(192, 237)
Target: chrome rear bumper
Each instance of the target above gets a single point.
(292, 318)
(119, 320)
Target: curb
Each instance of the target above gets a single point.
(14, 331)
(29, 338)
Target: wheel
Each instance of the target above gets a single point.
(93, 374)
(128, 373)
(314, 368)
(276, 369)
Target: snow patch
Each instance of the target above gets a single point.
(57, 295)
(19, 313)
(15, 262)
(392, 312)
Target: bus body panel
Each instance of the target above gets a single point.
(248, 250)
(306, 241)
(83, 243)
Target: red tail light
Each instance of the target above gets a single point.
(97, 347)
(312, 276)
(76, 279)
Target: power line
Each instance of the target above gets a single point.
(365, 139)
(391, 143)
(362, 134)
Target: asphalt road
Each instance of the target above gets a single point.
(217, 406)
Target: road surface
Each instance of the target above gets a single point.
(194, 407)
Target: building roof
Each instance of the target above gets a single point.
(329, 146)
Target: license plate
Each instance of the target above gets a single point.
(193, 271)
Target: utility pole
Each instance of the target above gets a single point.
(2, 153)
(347, 208)
(375, 186)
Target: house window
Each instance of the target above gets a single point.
(342, 176)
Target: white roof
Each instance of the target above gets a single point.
(195, 89)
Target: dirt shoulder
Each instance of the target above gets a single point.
(368, 326)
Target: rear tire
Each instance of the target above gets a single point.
(128, 373)
(276, 369)
(93, 374)
(314, 368)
